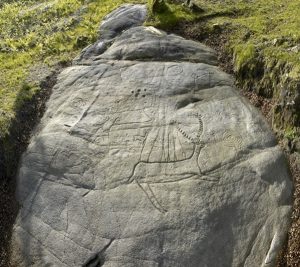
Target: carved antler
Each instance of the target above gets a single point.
(200, 130)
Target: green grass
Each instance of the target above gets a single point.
(33, 32)
(39, 31)
(271, 26)
(264, 40)
(172, 14)
(290, 133)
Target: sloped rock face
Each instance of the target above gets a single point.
(147, 156)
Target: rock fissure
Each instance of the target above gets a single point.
(98, 259)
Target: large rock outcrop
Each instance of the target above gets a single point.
(148, 156)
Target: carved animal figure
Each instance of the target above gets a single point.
(165, 171)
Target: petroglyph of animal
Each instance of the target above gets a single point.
(169, 169)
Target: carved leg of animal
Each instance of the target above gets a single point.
(131, 179)
(210, 178)
(150, 195)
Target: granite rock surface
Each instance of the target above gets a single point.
(148, 156)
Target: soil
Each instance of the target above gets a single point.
(8, 213)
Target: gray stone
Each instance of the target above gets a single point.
(121, 19)
(148, 43)
(145, 158)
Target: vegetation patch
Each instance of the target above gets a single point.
(265, 45)
(158, 6)
(167, 14)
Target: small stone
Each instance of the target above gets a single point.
(193, 6)
(297, 145)
(217, 27)
(295, 49)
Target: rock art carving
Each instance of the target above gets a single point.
(169, 166)
(146, 158)
(233, 141)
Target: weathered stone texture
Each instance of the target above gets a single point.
(148, 156)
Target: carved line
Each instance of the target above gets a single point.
(198, 145)
(200, 131)
(233, 141)
(151, 197)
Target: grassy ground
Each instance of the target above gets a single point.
(37, 32)
(260, 38)
(265, 43)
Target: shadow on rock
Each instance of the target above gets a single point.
(11, 148)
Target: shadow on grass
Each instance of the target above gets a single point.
(165, 18)
(12, 146)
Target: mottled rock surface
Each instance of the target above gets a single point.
(148, 156)
(123, 18)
